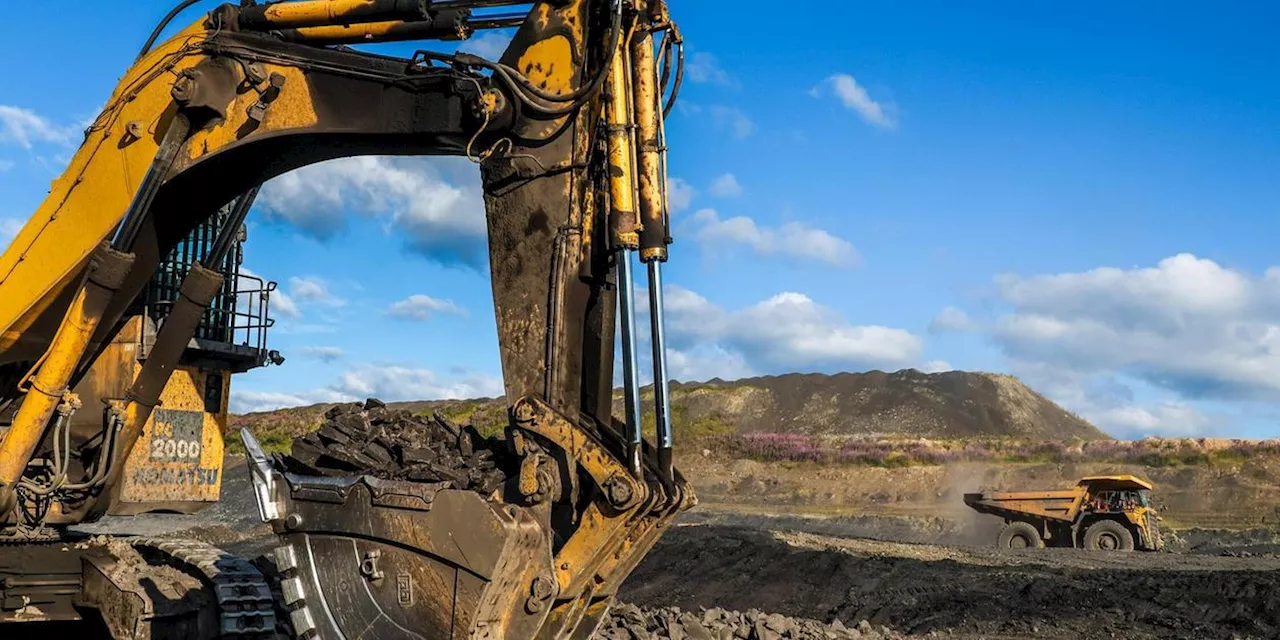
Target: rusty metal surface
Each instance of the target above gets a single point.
(446, 25)
(48, 387)
(40, 582)
(624, 218)
(352, 565)
(1055, 505)
(552, 288)
(616, 525)
(313, 13)
(652, 182)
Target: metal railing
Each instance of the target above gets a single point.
(239, 315)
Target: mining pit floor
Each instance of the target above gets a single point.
(716, 575)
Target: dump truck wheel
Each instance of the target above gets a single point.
(1108, 535)
(1020, 535)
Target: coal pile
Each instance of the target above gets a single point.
(371, 439)
(629, 622)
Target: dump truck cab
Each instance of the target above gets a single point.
(1124, 499)
(1103, 513)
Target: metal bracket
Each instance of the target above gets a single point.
(262, 472)
(369, 566)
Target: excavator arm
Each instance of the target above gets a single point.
(567, 130)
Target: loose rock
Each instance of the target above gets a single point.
(374, 440)
(626, 622)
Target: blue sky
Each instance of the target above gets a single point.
(1083, 197)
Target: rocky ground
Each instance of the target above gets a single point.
(957, 591)
(755, 577)
(723, 575)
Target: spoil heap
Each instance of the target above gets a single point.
(629, 622)
(372, 439)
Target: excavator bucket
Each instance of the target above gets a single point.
(368, 557)
(362, 557)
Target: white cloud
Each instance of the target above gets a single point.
(314, 290)
(25, 128)
(1184, 331)
(726, 186)
(323, 354)
(937, 366)
(1188, 325)
(1110, 403)
(855, 98)
(788, 332)
(951, 319)
(280, 304)
(680, 195)
(435, 205)
(733, 119)
(248, 401)
(284, 306)
(390, 383)
(397, 384)
(792, 331)
(704, 68)
(5, 165)
(703, 363)
(489, 45)
(424, 307)
(793, 240)
(1168, 419)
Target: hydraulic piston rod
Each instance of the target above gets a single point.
(624, 227)
(654, 234)
(319, 13)
(661, 383)
(630, 367)
(446, 25)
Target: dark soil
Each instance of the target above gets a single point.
(1219, 542)
(626, 622)
(919, 589)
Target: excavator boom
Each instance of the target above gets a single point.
(567, 129)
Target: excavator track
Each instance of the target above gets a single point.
(244, 597)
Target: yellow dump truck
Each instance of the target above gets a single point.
(1102, 513)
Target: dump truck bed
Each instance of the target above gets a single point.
(1054, 505)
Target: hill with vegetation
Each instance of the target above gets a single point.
(874, 405)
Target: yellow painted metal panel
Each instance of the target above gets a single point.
(179, 457)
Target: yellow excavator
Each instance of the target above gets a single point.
(123, 315)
